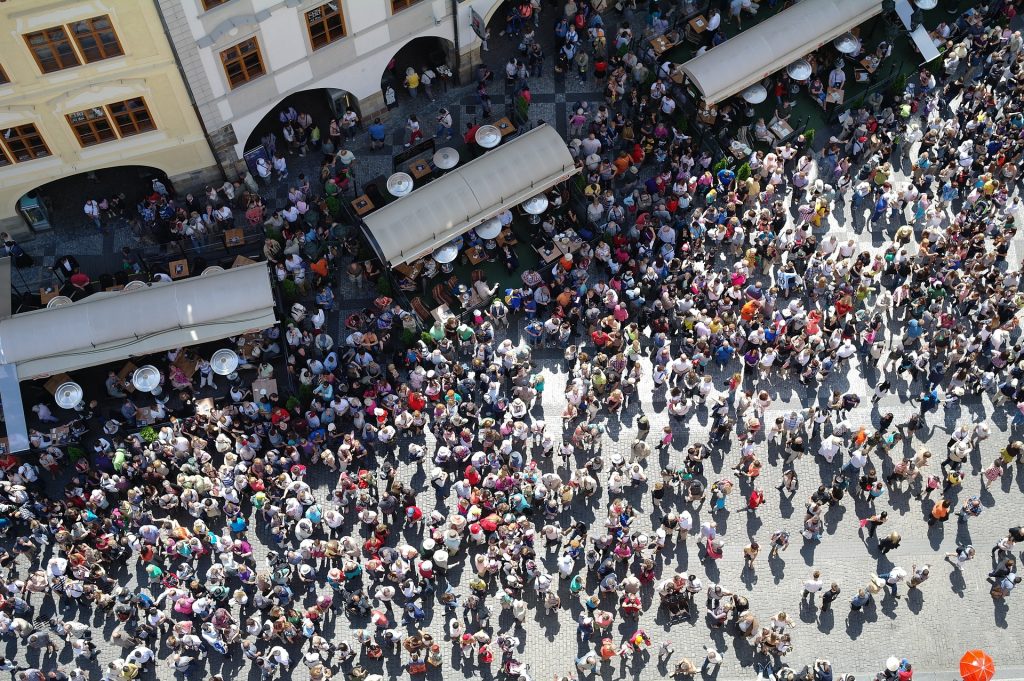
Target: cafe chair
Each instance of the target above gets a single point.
(692, 36)
(442, 296)
(420, 309)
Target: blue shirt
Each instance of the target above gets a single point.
(377, 132)
(724, 353)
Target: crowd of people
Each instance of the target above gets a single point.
(704, 286)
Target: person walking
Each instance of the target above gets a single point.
(829, 596)
(811, 588)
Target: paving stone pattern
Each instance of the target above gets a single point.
(931, 627)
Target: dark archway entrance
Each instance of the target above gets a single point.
(55, 213)
(322, 104)
(58, 205)
(419, 54)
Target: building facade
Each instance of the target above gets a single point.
(242, 57)
(87, 85)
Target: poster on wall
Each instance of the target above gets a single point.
(253, 156)
(477, 21)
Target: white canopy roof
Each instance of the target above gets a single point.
(773, 44)
(429, 217)
(109, 327)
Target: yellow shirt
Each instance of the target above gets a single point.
(412, 80)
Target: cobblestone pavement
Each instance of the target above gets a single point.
(931, 626)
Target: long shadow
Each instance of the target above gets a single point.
(778, 567)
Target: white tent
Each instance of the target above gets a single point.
(429, 217)
(773, 44)
(108, 327)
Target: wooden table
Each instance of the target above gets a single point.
(268, 384)
(144, 416)
(781, 129)
(475, 255)
(409, 271)
(835, 95)
(362, 205)
(504, 125)
(707, 116)
(699, 24)
(739, 153)
(870, 64)
(419, 169)
(242, 260)
(188, 362)
(250, 342)
(550, 257)
(178, 269)
(661, 44)
(507, 238)
(676, 75)
(441, 313)
(56, 382)
(125, 376)
(47, 294)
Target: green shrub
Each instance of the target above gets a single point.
(899, 86)
(148, 434)
(809, 136)
(384, 286)
(743, 173)
(409, 337)
(721, 165)
(290, 291)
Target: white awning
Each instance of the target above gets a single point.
(429, 217)
(116, 326)
(773, 44)
(922, 39)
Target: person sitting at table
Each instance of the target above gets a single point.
(532, 277)
(760, 131)
(510, 258)
(370, 270)
(837, 78)
(482, 290)
(817, 91)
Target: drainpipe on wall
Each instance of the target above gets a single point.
(188, 89)
(458, 48)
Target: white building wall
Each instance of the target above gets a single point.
(354, 64)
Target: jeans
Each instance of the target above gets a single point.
(443, 130)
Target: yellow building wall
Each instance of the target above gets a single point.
(177, 146)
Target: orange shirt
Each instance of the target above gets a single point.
(749, 310)
(320, 267)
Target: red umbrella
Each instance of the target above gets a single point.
(976, 665)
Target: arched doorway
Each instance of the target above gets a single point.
(55, 212)
(322, 104)
(58, 205)
(419, 54)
